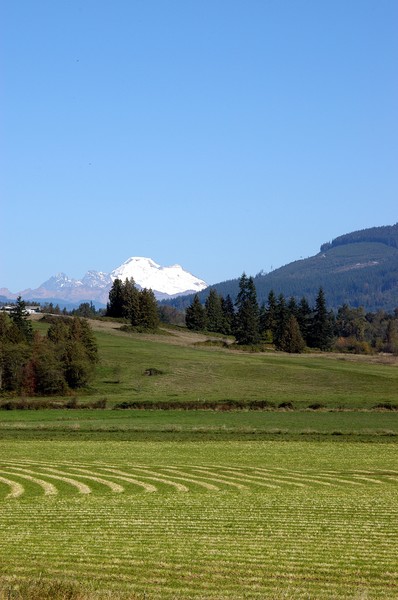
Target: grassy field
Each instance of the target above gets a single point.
(205, 504)
(198, 424)
(202, 520)
(196, 373)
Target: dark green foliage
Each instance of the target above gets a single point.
(63, 359)
(86, 310)
(321, 333)
(247, 318)
(195, 316)
(291, 340)
(228, 313)
(351, 322)
(139, 307)
(148, 316)
(316, 327)
(131, 303)
(281, 319)
(14, 357)
(45, 375)
(115, 306)
(19, 317)
(387, 235)
(170, 315)
(214, 313)
(304, 314)
(268, 318)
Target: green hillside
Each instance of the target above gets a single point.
(359, 268)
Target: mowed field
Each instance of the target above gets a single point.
(296, 503)
(202, 520)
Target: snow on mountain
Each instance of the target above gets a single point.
(170, 281)
(96, 279)
(95, 285)
(59, 281)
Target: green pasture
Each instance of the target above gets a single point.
(191, 373)
(196, 373)
(201, 520)
(181, 424)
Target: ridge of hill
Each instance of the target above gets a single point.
(358, 268)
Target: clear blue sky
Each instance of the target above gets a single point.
(224, 135)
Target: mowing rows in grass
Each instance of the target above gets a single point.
(331, 544)
(18, 478)
(209, 520)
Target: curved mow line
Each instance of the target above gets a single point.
(155, 477)
(207, 486)
(254, 479)
(305, 477)
(16, 488)
(370, 479)
(115, 487)
(82, 487)
(215, 477)
(330, 479)
(49, 488)
(377, 472)
(148, 487)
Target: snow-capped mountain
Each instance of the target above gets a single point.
(95, 285)
(164, 281)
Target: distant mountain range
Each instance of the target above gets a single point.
(358, 268)
(166, 282)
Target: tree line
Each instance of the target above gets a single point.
(32, 364)
(292, 326)
(139, 307)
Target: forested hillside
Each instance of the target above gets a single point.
(359, 269)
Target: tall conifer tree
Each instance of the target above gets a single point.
(195, 316)
(322, 325)
(247, 314)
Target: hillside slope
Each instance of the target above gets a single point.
(359, 268)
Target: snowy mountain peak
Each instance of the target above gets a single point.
(60, 280)
(96, 279)
(147, 273)
(95, 285)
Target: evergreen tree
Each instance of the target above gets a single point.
(131, 302)
(228, 313)
(85, 309)
(19, 317)
(45, 374)
(322, 324)
(148, 310)
(304, 313)
(291, 340)
(281, 318)
(246, 328)
(269, 318)
(214, 312)
(292, 307)
(195, 316)
(114, 308)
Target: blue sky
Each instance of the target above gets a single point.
(226, 136)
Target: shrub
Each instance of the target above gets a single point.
(316, 406)
(286, 405)
(352, 346)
